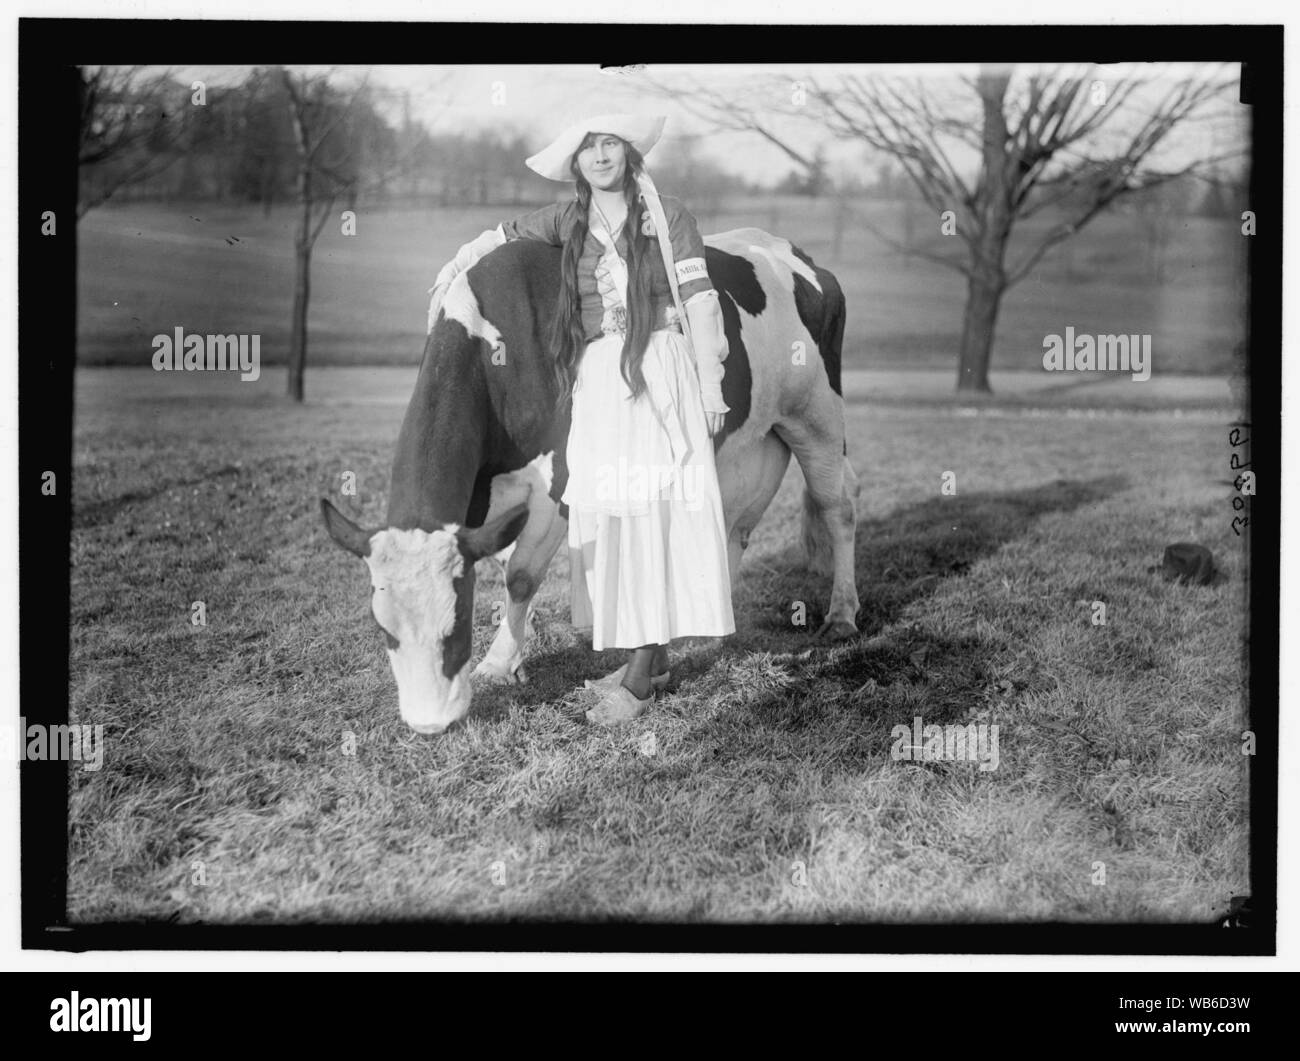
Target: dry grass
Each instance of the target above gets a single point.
(770, 762)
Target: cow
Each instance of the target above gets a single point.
(479, 468)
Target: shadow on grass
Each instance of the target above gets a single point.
(887, 680)
(552, 676)
(903, 557)
(900, 559)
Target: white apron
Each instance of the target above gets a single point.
(647, 535)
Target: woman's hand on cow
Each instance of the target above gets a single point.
(466, 256)
(439, 291)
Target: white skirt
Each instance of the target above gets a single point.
(647, 535)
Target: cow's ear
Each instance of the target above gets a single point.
(494, 535)
(353, 538)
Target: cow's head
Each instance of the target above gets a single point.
(422, 597)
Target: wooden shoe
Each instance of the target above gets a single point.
(657, 681)
(619, 705)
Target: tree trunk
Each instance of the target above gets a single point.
(841, 223)
(983, 299)
(993, 217)
(909, 232)
(301, 297)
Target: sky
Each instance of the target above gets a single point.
(538, 101)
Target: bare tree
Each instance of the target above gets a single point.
(1039, 145)
(325, 170)
(340, 146)
(133, 125)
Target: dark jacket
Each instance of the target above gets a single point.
(552, 224)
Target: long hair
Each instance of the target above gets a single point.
(568, 338)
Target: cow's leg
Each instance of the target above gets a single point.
(525, 563)
(749, 475)
(830, 518)
(525, 571)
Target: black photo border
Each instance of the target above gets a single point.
(50, 51)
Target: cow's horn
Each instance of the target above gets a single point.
(353, 538)
(495, 535)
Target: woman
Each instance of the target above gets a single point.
(647, 536)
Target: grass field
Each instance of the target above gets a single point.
(760, 788)
(146, 269)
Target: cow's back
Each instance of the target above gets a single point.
(778, 296)
(770, 291)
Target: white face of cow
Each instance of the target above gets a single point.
(422, 597)
(420, 584)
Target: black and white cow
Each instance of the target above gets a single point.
(479, 465)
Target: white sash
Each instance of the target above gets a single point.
(656, 207)
(611, 264)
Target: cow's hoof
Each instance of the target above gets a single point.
(498, 676)
(836, 630)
